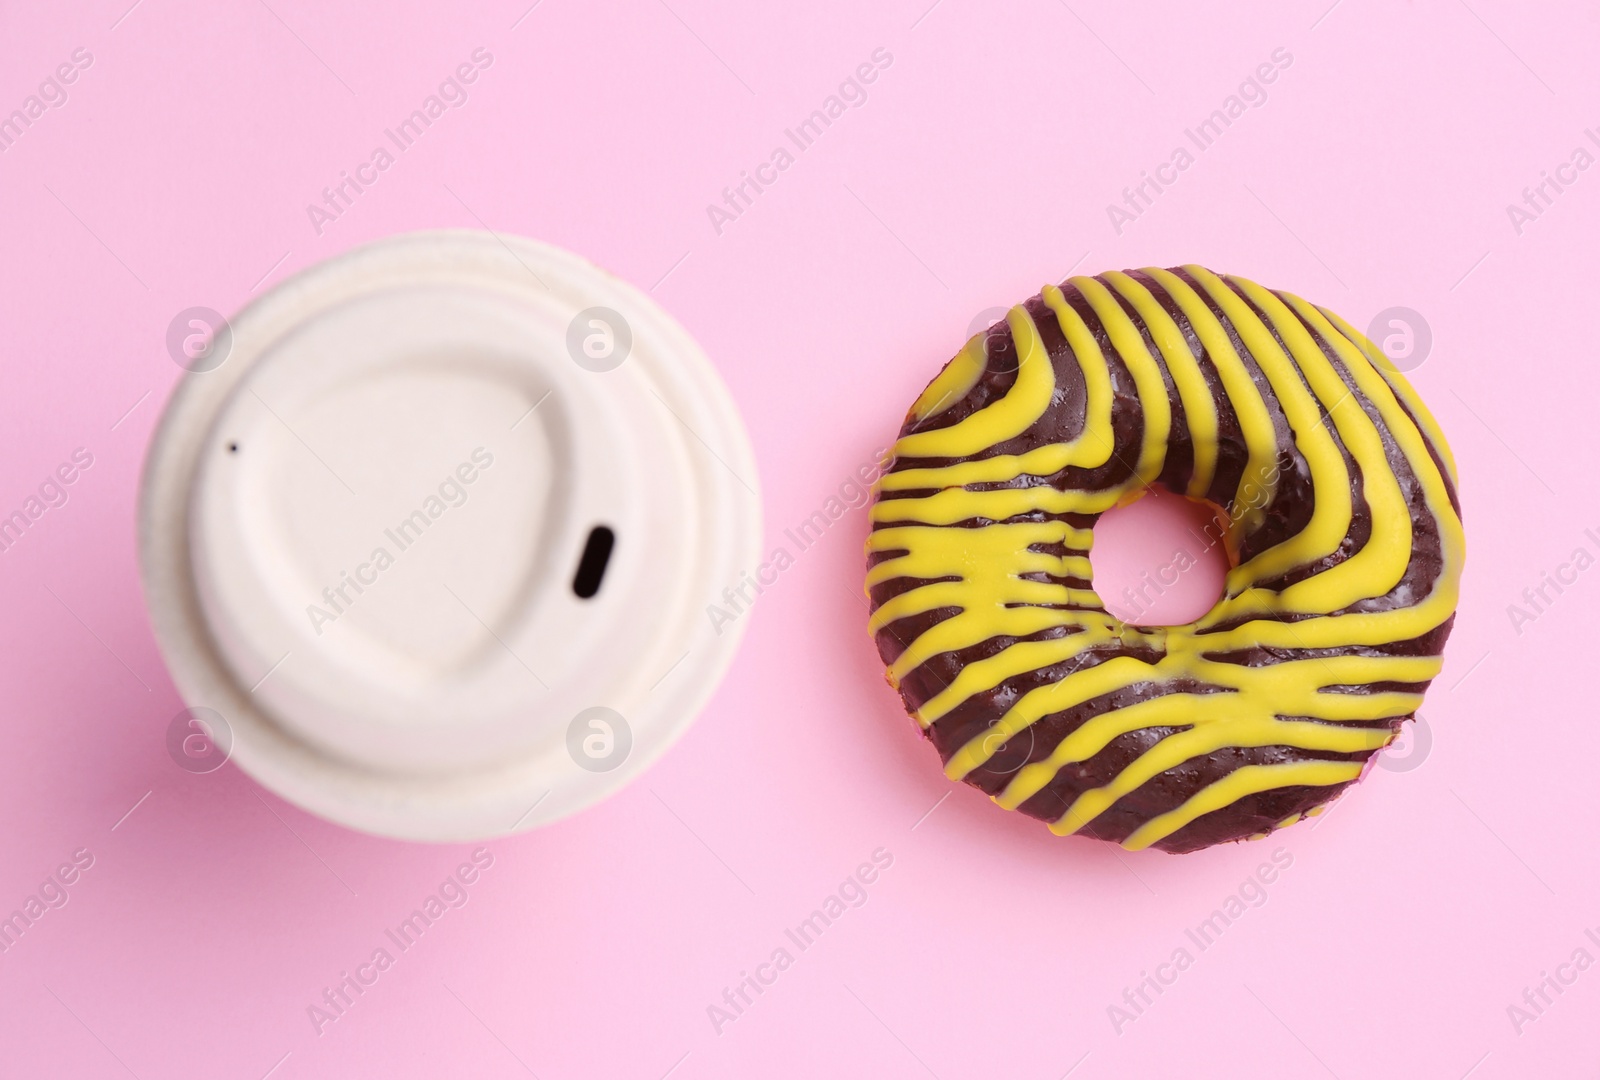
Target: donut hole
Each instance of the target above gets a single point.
(1160, 561)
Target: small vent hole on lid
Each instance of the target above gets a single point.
(592, 566)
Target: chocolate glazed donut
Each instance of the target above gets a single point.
(1343, 532)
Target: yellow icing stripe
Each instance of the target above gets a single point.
(1007, 418)
(935, 553)
(1095, 440)
(955, 381)
(1174, 750)
(1075, 689)
(955, 504)
(955, 634)
(1382, 560)
(1402, 388)
(1245, 780)
(1330, 512)
(1199, 410)
(1129, 345)
(1257, 484)
(1293, 687)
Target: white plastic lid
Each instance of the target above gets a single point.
(437, 537)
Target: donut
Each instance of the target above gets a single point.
(1336, 496)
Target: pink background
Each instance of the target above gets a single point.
(1376, 174)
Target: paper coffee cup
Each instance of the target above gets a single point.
(435, 533)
